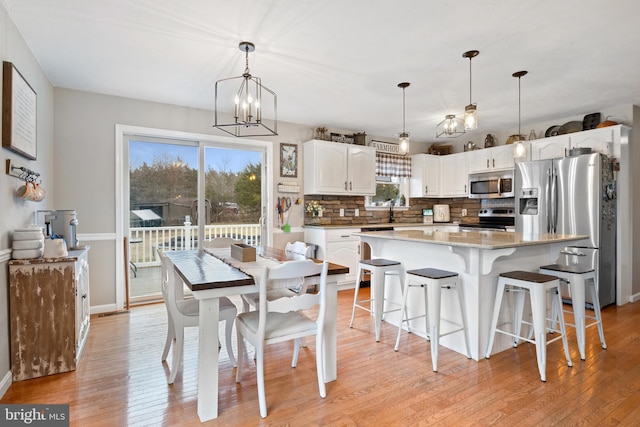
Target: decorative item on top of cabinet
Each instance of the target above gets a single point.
(439, 149)
(49, 314)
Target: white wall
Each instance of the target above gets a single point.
(85, 165)
(15, 212)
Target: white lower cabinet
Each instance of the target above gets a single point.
(339, 246)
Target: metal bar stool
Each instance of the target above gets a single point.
(537, 285)
(578, 278)
(432, 281)
(378, 268)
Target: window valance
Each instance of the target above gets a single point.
(393, 165)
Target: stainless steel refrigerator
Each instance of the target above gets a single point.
(573, 195)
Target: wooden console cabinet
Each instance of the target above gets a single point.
(49, 314)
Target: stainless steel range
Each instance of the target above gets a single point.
(493, 219)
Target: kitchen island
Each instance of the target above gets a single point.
(478, 257)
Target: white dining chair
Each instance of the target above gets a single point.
(183, 313)
(298, 248)
(294, 250)
(283, 319)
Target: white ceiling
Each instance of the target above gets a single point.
(337, 63)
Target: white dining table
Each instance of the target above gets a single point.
(209, 278)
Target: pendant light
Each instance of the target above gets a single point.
(249, 103)
(470, 111)
(450, 127)
(519, 150)
(403, 143)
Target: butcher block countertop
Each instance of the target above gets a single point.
(387, 225)
(472, 239)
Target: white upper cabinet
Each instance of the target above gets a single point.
(599, 140)
(340, 169)
(454, 176)
(425, 176)
(549, 148)
(490, 159)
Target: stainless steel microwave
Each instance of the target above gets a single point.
(492, 185)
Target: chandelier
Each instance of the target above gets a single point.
(450, 127)
(250, 101)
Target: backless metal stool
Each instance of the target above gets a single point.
(432, 281)
(538, 285)
(378, 268)
(579, 278)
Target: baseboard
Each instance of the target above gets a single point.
(5, 383)
(107, 308)
(634, 298)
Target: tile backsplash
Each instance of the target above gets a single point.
(412, 215)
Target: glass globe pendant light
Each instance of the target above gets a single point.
(470, 111)
(403, 142)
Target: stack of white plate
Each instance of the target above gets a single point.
(28, 243)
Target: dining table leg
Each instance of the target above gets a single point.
(208, 359)
(331, 332)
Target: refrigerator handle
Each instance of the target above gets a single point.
(554, 201)
(547, 191)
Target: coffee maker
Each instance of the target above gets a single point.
(60, 223)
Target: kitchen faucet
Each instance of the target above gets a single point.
(391, 218)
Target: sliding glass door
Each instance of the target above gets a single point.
(164, 203)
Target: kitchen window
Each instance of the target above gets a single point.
(392, 182)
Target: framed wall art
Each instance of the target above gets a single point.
(289, 160)
(19, 110)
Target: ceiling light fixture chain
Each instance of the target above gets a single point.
(248, 106)
(470, 111)
(404, 136)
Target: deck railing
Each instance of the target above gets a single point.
(144, 241)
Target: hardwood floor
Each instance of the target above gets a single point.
(121, 381)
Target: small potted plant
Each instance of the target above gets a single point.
(315, 208)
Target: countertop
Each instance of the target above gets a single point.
(386, 225)
(472, 239)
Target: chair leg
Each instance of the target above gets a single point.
(320, 366)
(177, 353)
(464, 317)
(538, 309)
(260, 380)
(170, 337)
(496, 314)
(596, 309)
(405, 294)
(563, 329)
(435, 296)
(240, 354)
(296, 351)
(228, 329)
(355, 295)
(518, 295)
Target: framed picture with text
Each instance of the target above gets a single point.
(19, 108)
(289, 160)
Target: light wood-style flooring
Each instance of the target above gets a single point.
(122, 382)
